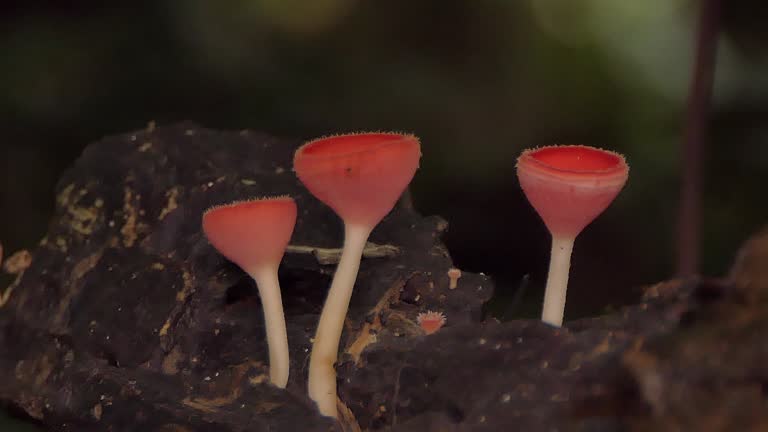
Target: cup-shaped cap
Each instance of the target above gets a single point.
(569, 186)
(253, 233)
(360, 176)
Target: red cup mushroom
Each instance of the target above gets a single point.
(254, 234)
(569, 186)
(361, 177)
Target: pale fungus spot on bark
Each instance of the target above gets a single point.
(61, 244)
(211, 405)
(18, 262)
(181, 296)
(166, 326)
(172, 204)
(83, 218)
(367, 334)
(171, 361)
(128, 230)
(63, 198)
(79, 271)
(258, 379)
(442, 225)
(187, 289)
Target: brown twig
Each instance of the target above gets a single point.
(689, 224)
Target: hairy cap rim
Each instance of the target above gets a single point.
(388, 138)
(528, 159)
(273, 198)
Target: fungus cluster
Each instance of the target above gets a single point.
(361, 177)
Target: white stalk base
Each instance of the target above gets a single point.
(274, 320)
(322, 375)
(557, 281)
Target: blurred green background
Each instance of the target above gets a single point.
(477, 80)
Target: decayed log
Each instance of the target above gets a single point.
(127, 319)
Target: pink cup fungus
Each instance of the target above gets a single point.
(431, 321)
(254, 234)
(360, 177)
(569, 186)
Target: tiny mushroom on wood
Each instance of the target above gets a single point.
(453, 277)
(430, 321)
(254, 234)
(360, 176)
(569, 186)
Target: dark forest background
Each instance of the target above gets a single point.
(477, 80)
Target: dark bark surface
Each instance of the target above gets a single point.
(129, 320)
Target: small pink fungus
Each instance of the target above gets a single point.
(431, 321)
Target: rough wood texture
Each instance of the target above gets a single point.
(128, 320)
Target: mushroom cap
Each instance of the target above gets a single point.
(360, 176)
(569, 186)
(252, 233)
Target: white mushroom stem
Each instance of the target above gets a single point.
(557, 281)
(322, 375)
(274, 320)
